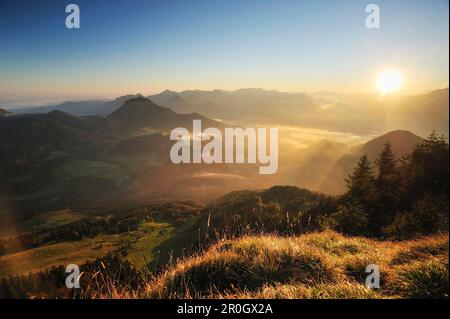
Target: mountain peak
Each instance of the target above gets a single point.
(139, 112)
(137, 106)
(167, 91)
(401, 141)
(138, 98)
(128, 97)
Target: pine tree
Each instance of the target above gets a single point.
(386, 164)
(360, 183)
(387, 189)
(426, 169)
(361, 190)
(355, 206)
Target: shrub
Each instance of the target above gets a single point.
(428, 216)
(350, 219)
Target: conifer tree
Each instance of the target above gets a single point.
(387, 189)
(427, 168)
(361, 190)
(360, 183)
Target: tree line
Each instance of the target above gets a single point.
(397, 198)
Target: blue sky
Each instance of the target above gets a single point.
(148, 45)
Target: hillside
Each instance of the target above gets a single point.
(324, 165)
(61, 156)
(56, 159)
(402, 142)
(141, 112)
(110, 106)
(4, 113)
(422, 112)
(313, 266)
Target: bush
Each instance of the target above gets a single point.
(428, 216)
(350, 219)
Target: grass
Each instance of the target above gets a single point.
(48, 256)
(318, 265)
(143, 246)
(422, 279)
(76, 168)
(40, 222)
(53, 219)
(344, 290)
(313, 266)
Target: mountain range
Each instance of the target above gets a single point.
(57, 159)
(343, 112)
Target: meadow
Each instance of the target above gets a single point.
(319, 265)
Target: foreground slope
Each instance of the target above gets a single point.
(317, 265)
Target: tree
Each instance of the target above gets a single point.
(359, 198)
(361, 180)
(426, 168)
(429, 215)
(387, 168)
(387, 188)
(360, 183)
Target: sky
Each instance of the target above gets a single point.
(146, 46)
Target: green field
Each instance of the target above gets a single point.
(147, 244)
(53, 219)
(48, 256)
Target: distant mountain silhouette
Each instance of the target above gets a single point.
(4, 113)
(402, 142)
(422, 113)
(344, 112)
(347, 112)
(163, 97)
(190, 104)
(99, 107)
(110, 106)
(243, 105)
(77, 108)
(141, 112)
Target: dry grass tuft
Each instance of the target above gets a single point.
(316, 265)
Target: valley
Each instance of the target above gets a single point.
(103, 192)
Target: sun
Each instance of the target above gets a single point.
(389, 81)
